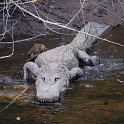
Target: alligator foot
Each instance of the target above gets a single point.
(76, 73)
(88, 60)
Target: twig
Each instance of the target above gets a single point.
(82, 4)
(48, 20)
(113, 4)
(106, 10)
(13, 47)
(75, 16)
(15, 99)
(10, 2)
(62, 25)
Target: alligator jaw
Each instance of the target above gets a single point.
(43, 101)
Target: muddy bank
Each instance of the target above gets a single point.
(110, 12)
(111, 56)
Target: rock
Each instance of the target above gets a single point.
(35, 51)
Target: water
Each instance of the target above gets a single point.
(97, 98)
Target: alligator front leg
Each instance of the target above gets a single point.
(32, 67)
(76, 73)
(87, 59)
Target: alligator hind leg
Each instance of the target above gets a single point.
(76, 73)
(87, 59)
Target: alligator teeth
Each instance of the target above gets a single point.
(48, 100)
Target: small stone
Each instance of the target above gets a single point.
(18, 118)
(119, 81)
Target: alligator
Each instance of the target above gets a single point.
(55, 68)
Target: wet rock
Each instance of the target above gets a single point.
(35, 51)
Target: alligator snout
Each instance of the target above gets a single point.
(42, 101)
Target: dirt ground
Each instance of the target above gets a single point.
(110, 12)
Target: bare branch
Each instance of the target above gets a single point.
(7, 4)
(14, 99)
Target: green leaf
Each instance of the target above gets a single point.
(34, 1)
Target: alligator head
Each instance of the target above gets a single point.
(51, 81)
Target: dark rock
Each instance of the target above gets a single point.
(35, 51)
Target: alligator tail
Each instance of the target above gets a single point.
(88, 35)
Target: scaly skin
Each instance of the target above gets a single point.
(54, 68)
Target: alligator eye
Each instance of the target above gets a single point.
(43, 78)
(57, 79)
